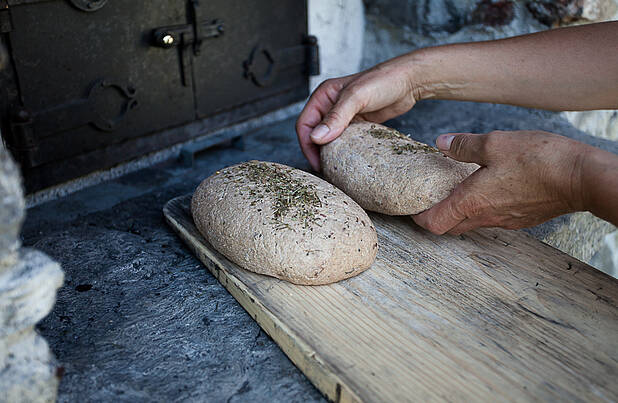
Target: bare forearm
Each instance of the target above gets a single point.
(572, 68)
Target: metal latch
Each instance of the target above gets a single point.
(192, 34)
(185, 35)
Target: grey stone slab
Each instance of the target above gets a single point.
(139, 318)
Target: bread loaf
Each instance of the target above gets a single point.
(283, 222)
(387, 172)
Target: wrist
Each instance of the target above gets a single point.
(599, 183)
(433, 74)
(574, 188)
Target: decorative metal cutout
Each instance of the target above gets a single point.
(269, 75)
(111, 123)
(89, 5)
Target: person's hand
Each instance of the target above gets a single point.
(526, 178)
(375, 95)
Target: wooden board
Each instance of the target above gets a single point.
(491, 315)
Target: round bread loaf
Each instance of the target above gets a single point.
(387, 172)
(283, 222)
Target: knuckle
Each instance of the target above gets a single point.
(356, 94)
(333, 116)
(332, 84)
(459, 145)
(324, 84)
(435, 228)
(487, 142)
(469, 203)
(351, 94)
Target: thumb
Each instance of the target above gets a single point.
(336, 120)
(443, 216)
(464, 147)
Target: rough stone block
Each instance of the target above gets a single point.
(28, 291)
(560, 12)
(582, 235)
(28, 370)
(424, 16)
(606, 258)
(11, 209)
(603, 124)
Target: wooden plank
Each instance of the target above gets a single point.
(490, 315)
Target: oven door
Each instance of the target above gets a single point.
(97, 82)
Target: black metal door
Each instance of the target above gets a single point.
(89, 79)
(262, 51)
(99, 82)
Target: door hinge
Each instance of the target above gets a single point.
(20, 138)
(312, 52)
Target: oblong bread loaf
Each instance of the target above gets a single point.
(283, 222)
(387, 172)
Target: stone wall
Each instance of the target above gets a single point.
(28, 283)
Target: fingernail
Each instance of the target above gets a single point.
(319, 132)
(444, 141)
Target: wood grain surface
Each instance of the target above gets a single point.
(490, 315)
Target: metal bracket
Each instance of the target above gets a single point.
(312, 61)
(27, 128)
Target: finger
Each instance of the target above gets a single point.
(465, 202)
(318, 105)
(311, 151)
(310, 117)
(309, 148)
(441, 217)
(338, 118)
(466, 225)
(465, 147)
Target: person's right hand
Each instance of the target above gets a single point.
(375, 95)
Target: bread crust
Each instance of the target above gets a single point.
(283, 222)
(387, 172)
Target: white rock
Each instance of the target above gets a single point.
(339, 26)
(606, 259)
(11, 209)
(602, 124)
(27, 369)
(28, 291)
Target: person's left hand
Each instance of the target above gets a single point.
(526, 178)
